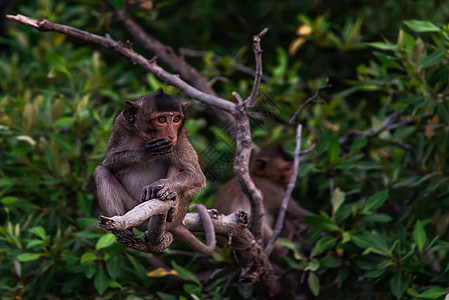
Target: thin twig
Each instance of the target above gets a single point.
(170, 58)
(388, 124)
(313, 98)
(288, 192)
(242, 68)
(258, 56)
(108, 42)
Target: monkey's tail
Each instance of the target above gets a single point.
(185, 236)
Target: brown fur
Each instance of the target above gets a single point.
(270, 170)
(147, 158)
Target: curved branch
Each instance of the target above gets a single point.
(126, 51)
(243, 146)
(258, 56)
(168, 56)
(288, 192)
(255, 265)
(137, 215)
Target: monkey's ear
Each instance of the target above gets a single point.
(183, 107)
(159, 91)
(130, 111)
(259, 166)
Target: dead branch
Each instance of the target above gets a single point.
(137, 215)
(168, 56)
(390, 123)
(216, 57)
(243, 149)
(258, 56)
(126, 51)
(255, 264)
(291, 184)
(311, 99)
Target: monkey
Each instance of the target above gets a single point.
(149, 156)
(270, 170)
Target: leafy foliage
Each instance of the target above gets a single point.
(376, 178)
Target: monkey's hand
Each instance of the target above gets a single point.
(158, 146)
(158, 190)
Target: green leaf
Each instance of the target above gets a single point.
(164, 296)
(371, 240)
(433, 293)
(101, 281)
(105, 241)
(383, 46)
(184, 273)
(64, 121)
(324, 244)
(443, 113)
(113, 266)
(88, 257)
(24, 257)
(421, 26)
(119, 4)
(193, 290)
(39, 231)
(333, 150)
(359, 142)
(56, 61)
(9, 200)
(376, 200)
(314, 283)
(419, 235)
(382, 218)
(322, 223)
(338, 197)
(398, 285)
(432, 59)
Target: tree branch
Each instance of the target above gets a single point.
(126, 51)
(311, 99)
(242, 68)
(255, 264)
(288, 192)
(168, 56)
(258, 56)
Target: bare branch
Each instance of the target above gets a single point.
(288, 192)
(390, 123)
(255, 265)
(137, 215)
(311, 99)
(258, 56)
(108, 42)
(243, 148)
(168, 56)
(216, 57)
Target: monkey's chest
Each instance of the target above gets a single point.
(141, 176)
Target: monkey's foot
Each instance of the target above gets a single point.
(116, 222)
(106, 222)
(142, 244)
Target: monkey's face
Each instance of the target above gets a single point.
(165, 125)
(279, 171)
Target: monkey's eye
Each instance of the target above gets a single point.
(176, 119)
(162, 119)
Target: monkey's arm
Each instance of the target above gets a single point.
(119, 158)
(184, 175)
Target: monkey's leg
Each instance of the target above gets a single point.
(185, 236)
(156, 229)
(113, 198)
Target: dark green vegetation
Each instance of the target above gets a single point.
(381, 192)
